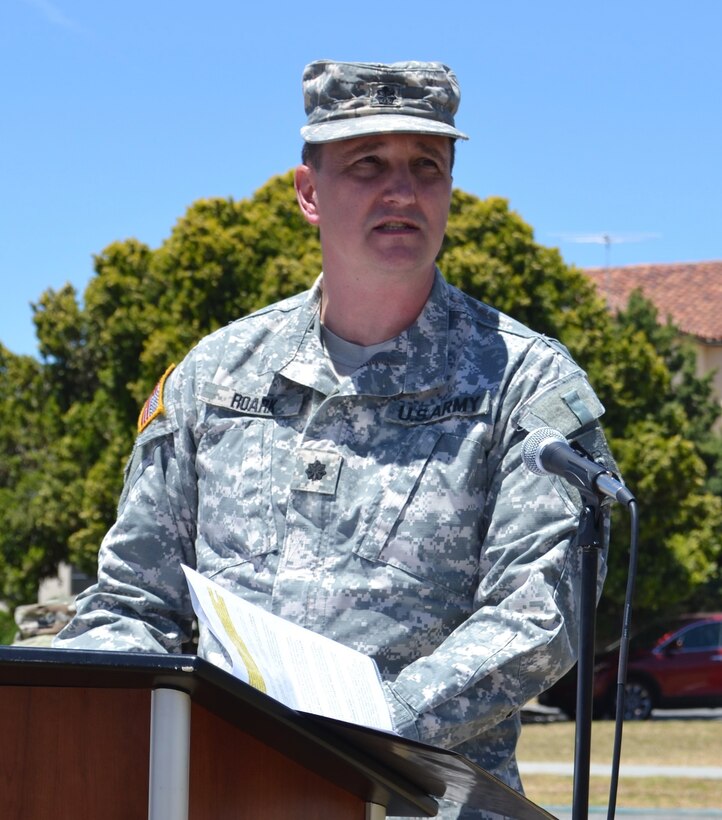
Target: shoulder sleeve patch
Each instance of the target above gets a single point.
(566, 405)
(154, 405)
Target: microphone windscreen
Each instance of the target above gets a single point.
(533, 445)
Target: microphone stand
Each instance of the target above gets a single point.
(590, 539)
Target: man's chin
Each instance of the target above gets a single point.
(406, 266)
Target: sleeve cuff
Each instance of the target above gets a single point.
(402, 716)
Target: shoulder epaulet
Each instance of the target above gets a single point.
(154, 405)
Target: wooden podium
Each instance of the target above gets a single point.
(126, 736)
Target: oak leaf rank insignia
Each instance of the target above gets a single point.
(316, 471)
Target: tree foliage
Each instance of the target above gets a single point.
(67, 421)
(31, 542)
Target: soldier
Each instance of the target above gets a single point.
(349, 458)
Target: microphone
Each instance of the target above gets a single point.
(545, 450)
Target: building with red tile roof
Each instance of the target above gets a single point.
(689, 294)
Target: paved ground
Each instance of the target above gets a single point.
(534, 712)
(603, 770)
(565, 813)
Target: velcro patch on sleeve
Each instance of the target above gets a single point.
(566, 405)
(154, 405)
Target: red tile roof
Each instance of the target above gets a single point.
(690, 293)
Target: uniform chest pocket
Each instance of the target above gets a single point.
(234, 489)
(424, 518)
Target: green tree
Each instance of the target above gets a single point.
(672, 457)
(30, 543)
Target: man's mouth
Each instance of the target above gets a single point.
(396, 226)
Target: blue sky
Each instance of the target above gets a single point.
(590, 118)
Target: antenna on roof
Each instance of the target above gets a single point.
(606, 239)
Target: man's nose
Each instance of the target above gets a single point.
(400, 185)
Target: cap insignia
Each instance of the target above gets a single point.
(385, 95)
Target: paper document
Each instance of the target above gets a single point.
(305, 671)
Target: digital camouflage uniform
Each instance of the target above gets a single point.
(389, 511)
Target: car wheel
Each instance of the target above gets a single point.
(638, 700)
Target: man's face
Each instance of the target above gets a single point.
(381, 204)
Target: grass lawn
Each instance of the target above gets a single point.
(661, 742)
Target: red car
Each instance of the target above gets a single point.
(672, 664)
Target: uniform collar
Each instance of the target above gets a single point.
(304, 360)
(417, 362)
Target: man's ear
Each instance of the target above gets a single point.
(305, 185)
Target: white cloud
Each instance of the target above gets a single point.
(53, 14)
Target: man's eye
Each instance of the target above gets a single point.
(366, 165)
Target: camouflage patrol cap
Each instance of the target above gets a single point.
(345, 100)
